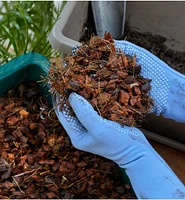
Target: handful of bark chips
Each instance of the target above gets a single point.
(108, 79)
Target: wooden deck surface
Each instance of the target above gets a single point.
(175, 158)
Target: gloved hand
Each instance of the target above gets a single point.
(168, 86)
(150, 176)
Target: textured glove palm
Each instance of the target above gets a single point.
(168, 86)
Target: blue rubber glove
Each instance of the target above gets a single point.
(168, 85)
(150, 176)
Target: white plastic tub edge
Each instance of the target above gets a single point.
(69, 28)
(163, 140)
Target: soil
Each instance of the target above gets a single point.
(155, 44)
(37, 159)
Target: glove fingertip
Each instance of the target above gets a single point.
(78, 101)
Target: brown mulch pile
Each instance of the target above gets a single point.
(108, 79)
(37, 159)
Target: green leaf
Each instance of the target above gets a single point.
(25, 26)
(10, 37)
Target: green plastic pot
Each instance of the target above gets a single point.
(31, 67)
(125, 179)
(27, 67)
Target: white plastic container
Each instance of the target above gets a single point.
(70, 27)
(67, 33)
(108, 16)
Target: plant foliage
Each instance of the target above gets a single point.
(24, 27)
